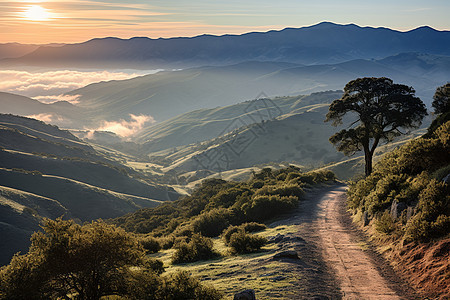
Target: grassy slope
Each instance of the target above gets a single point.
(84, 201)
(205, 124)
(62, 113)
(300, 137)
(20, 215)
(80, 182)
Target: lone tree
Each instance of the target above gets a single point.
(379, 110)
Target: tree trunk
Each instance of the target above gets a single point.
(368, 159)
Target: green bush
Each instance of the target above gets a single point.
(226, 235)
(434, 200)
(245, 227)
(166, 242)
(212, 223)
(183, 286)
(385, 224)
(227, 198)
(150, 244)
(242, 242)
(418, 229)
(144, 285)
(314, 177)
(198, 248)
(403, 175)
(153, 264)
(283, 190)
(263, 207)
(253, 226)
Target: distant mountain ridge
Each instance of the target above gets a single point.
(167, 94)
(323, 43)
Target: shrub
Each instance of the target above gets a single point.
(150, 244)
(167, 241)
(418, 229)
(246, 227)
(144, 285)
(154, 265)
(212, 223)
(242, 242)
(434, 200)
(385, 224)
(227, 197)
(149, 286)
(257, 184)
(314, 177)
(292, 175)
(183, 286)
(253, 227)
(226, 235)
(283, 190)
(198, 248)
(262, 207)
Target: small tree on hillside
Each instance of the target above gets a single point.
(379, 110)
(441, 99)
(69, 260)
(441, 105)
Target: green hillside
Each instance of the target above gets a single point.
(48, 172)
(61, 113)
(405, 206)
(21, 213)
(300, 137)
(204, 124)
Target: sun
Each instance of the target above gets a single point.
(37, 13)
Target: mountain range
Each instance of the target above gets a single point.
(323, 43)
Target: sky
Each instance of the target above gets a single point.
(54, 21)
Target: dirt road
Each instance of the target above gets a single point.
(314, 253)
(358, 275)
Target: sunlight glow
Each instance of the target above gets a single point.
(36, 13)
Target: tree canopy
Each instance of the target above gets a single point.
(441, 99)
(379, 110)
(70, 261)
(441, 105)
(67, 258)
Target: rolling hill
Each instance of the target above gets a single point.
(61, 113)
(48, 172)
(205, 124)
(300, 137)
(165, 95)
(20, 216)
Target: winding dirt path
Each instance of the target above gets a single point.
(333, 260)
(357, 274)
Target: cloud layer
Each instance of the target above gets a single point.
(49, 86)
(122, 127)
